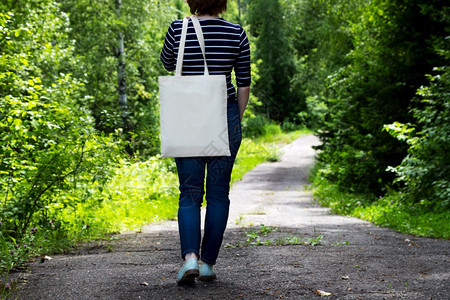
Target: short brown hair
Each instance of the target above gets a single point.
(207, 7)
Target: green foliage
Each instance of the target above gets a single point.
(361, 65)
(321, 38)
(51, 157)
(259, 125)
(276, 65)
(425, 170)
(384, 69)
(142, 192)
(96, 26)
(315, 241)
(389, 211)
(138, 194)
(48, 143)
(254, 237)
(316, 110)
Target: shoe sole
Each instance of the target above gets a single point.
(189, 277)
(207, 278)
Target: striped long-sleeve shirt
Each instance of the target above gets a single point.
(226, 45)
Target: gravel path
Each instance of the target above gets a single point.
(305, 250)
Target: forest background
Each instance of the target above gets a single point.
(79, 112)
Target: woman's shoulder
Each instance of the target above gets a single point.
(176, 23)
(231, 24)
(224, 24)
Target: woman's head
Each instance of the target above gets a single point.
(207, 7)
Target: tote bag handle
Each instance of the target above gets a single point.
(201, 41)
(193, 108)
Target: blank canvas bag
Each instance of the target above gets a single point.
(193, 109)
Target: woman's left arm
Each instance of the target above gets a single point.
(167, 54)
(243, 72)
(243, 93)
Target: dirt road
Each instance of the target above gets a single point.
(279, 245)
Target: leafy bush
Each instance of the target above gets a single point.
(138, 194)
(259, 125)
(51, 157)
(316, 111)
(49, 147)
(384, 68)
(276, 65)
(389, 211)
(424, 172)
(96, 27)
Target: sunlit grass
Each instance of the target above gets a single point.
(386, 211)
(282, 138)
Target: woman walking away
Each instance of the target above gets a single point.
(227, 48)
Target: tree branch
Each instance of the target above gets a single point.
(52, 184)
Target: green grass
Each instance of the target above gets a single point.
(261, 149)
(386, 211)
(140, 193)
(258, 237)
(282, 138)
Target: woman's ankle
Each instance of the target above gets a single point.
(190, 255)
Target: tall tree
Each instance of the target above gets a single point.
(320, 35)
(49, 146)
(393, 50)
(99, 29)
(424, 173)
(275, 57)
(121, 74)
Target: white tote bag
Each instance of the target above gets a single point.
(193, 109)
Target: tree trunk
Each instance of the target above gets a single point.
(122, 86)
(239, 9)
(121, 82)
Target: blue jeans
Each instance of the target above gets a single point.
(191, 174)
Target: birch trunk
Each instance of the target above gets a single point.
(121, 78)
(122, 86)
(239, 9)
(121, 82)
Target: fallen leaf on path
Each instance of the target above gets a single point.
(323, 293)
(143, 283)
(45, 257)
